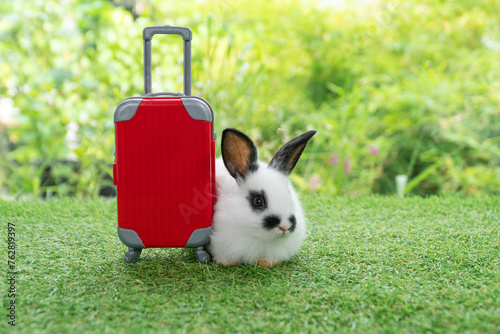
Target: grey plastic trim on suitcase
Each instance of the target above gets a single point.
(185, 32)
(164, 93)
(130, 238)
(199, 238)
(197, 108)
(127, 109)
(147, 35)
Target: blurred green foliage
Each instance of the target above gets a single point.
(393, 87)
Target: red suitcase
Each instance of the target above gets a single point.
(164, 168)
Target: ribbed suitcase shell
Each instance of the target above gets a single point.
(164, 171)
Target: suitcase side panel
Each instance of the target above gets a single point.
(165, 173)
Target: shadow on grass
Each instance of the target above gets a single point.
(162, 270)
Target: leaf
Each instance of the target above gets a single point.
(423, 175)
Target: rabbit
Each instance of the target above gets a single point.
(258, 217)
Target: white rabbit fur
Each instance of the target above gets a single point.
(239, 234)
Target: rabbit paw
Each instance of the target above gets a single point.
(227, 264)
(267, 264)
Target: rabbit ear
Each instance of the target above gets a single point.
(238, 153)
(286, 158)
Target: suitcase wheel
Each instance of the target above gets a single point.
(202, 255)
(132, 255)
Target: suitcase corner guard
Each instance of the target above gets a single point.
(126, 109)
(197, 108)
(130, 238)
(199, 237)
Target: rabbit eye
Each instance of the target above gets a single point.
(257, 200)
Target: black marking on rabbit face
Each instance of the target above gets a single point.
(271, 222)
(257, 200)
(292, 221)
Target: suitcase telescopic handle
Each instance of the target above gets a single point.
(148, 34)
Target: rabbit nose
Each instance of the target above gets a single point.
(284, 228)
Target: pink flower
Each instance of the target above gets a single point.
(373, 150)
(334, 160)
(314, 183)
(347, 165)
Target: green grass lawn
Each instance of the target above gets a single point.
(369, 265)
